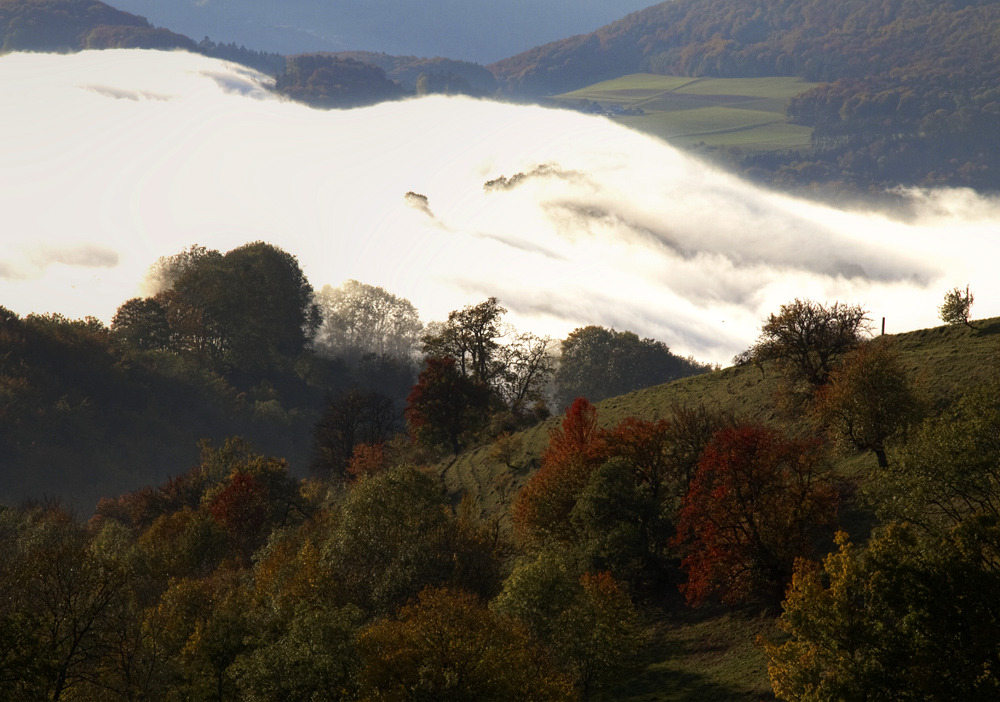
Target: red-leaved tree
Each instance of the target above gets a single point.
(575, 450)
(757, 502)
(643, 444)
(445, 405)
(243, 509)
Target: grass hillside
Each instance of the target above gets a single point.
(709, 654)
(744, 112)
(945, 360)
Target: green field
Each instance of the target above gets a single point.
(689, 112)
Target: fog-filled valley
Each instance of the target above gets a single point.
(459, 397)
(113, 159)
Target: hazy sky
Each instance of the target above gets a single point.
(111, 159)
(473, 30)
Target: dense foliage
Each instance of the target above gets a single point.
(327, 81)
(235, 581)
(598, 363)
(463, 76)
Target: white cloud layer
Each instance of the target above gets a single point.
(111, 159)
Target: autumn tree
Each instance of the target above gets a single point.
(758, 501)
(807, 339)
(447, 646)
(870, 399)
(242, 509)
(446, 406)
(576, 448)
(903, 618)
(957, 307)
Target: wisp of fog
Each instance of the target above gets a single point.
(111, 159)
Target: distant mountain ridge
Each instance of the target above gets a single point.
(471, 30)
(71, 25)
(63, 26)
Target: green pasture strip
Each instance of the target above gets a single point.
(713, 112)
(705, 121)
(775, 87)
(776, 136)
(630, 84)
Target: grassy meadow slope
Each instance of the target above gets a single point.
(945, 360)
(711, 112)
(708, 653)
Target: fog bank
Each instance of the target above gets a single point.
(109, 160)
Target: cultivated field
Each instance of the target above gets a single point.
(691, 112)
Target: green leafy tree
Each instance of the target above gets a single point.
(514, 367)
(957, 307)
(351, 417)
(598, 363)
(390, 540)
(62, 590)
(618, 524)
(142, 324)
(257, 304)
(361, 319)
(948, 469)
(587, 621)
(312, 658)
(901, 619)
(447, 646)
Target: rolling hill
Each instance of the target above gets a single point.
(708, 653)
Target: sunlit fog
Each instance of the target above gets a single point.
(109, 160)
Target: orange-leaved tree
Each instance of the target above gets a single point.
(758, 501)
(575, 449)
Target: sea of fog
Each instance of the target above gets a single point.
(109, 160)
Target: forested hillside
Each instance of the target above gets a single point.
(908, 93)
(406, 70)
(638, 549)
